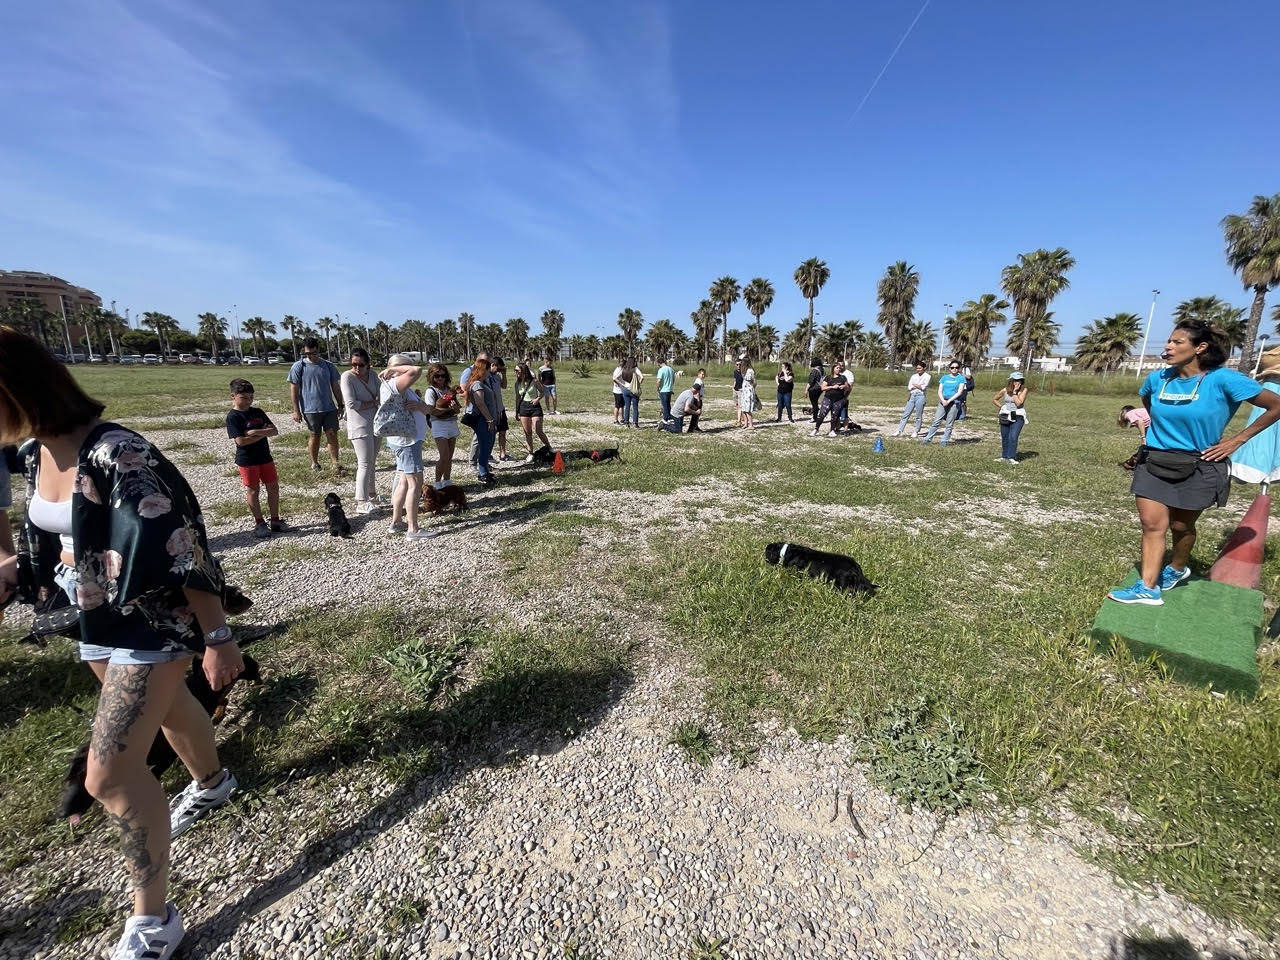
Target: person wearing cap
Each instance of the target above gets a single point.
(951, 387)
(1010, 401)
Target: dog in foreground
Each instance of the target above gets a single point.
(841, 571)
(339, 525)
(443, 500)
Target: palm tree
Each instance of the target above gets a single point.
(1043, 333)
(704, 326)
(1032, 283)
(325, 325)
(758, 296)
(552, 327)
(516, 337)
(415, 337)
(850, 331)
(896, 292)
(163, 325)
(870, 351)
(29, 314)
(1227, 319)
(734, 342)
(724, 293)
(629, 322)
(969, 331)
(382, 336)
(293, 325)
(662, 338)
(213, 327)
(830, 342)
(1253, 251)
(1107, 342)
(811, 276)
(257, 329)
(466, 329)
(917, 342)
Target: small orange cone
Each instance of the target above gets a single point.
(1240, 562)
(558, 466)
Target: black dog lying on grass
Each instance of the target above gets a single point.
(339, 525)
(843, 572)
(545, 456)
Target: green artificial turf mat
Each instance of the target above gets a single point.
(1206, 632)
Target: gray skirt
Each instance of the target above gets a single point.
(1207, 487)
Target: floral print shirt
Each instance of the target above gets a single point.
(139, 540)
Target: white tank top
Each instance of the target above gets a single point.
(52, 517)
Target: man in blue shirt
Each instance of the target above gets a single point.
(951, 391)
(666, 386)
(317, 399)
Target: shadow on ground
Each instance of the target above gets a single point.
(1139, 947)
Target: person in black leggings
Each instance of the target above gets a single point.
(815, 386)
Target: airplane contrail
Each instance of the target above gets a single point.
(876, 81)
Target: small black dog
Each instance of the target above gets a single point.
(76, 800)
(596, 456)
(843, 572)
(339, 525)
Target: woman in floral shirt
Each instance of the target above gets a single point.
(114, 525)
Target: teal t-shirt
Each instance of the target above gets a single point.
(951, 383)
(1190, 413)
(666, 378)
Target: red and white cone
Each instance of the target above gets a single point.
(1240, 562)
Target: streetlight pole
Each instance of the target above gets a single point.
(1146, 336)
(1262, 345)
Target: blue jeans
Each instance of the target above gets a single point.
(630, 407)
(1009, 438)
(484, 447)
(947, 412)
(784, 401)
(915, 404)
(665, 399)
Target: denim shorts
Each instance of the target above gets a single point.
(65, 577)
(409, 457)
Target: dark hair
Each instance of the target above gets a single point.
(311, 343)
(362, 353)
(815, 361)
(437, 368)
(1215, 354)
(524, 373)
(38, 395)
(697, 386)
(1123, 410)
(240, 385)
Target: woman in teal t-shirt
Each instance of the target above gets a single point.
(1183, 467)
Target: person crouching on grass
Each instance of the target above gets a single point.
(1182, 469)
(249, 427)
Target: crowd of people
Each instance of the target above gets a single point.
(114, 533)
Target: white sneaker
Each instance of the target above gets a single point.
(394, 528)
(420, 534)
(195, 803)
(150, 938)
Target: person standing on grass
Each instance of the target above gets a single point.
(499, 374)
(360, 387)
(666, 387)
(786, 381)
(1013, 416)
(619, 393)
(815, 388)
(444, 408)
(951, 387)
(249, 427)
(701, 380)
(847, 372)
(688, 404)
(529, 394)
(747, 395)
(916, 386)
(834, 397)
(633, 384)
(113, 525)
(464, 384)
(1183, 468)
(481, 404)
(317, 399)
(1131, 416)
(547, 377)
(398, 380)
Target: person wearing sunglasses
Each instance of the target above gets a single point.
(951, 390)
(311, 381)
(360, 387)
(1183, 467)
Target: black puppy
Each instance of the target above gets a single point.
(598, 456)
(339, 525)
(843, 572)
(76, 800)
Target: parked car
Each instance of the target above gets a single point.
(274, 358)
(129, 359)
(151, 358)
(97, 358)
(251, 361)
(187, 358)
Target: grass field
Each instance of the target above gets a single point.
(968, 676)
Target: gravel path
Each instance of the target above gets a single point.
(612, 842)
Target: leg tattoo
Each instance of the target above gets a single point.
(133, 844)
(123, 697)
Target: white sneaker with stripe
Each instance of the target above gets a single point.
(151, 938)
(193, 803)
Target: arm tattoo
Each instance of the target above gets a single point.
(124, 693)
(133, 844)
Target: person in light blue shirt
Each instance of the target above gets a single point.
(951, 390)
(666, 386)
(1182, 469)
(315, 386)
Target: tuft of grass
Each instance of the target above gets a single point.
(574, 951)
(694, 741)
(425, 667)
(705, 948)
(923, 758)
(90, 920)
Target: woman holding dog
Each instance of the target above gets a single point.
(443, 406)
(529, 393)
(1182, 470)
(360, 396)
(397, 381)
(113, 525)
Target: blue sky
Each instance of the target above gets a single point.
(419, 159)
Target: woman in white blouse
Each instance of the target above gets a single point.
(360, 394)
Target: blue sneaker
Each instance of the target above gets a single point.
(1138, 593)
(1170, 577)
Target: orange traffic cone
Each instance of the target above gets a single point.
(1240, 562)
(558, 466)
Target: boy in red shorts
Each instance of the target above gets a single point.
(249, 427)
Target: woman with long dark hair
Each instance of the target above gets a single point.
(360, 387)
(113, 524)
(529, 393)
(1182, 469)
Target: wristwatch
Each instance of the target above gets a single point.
(217, 636)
